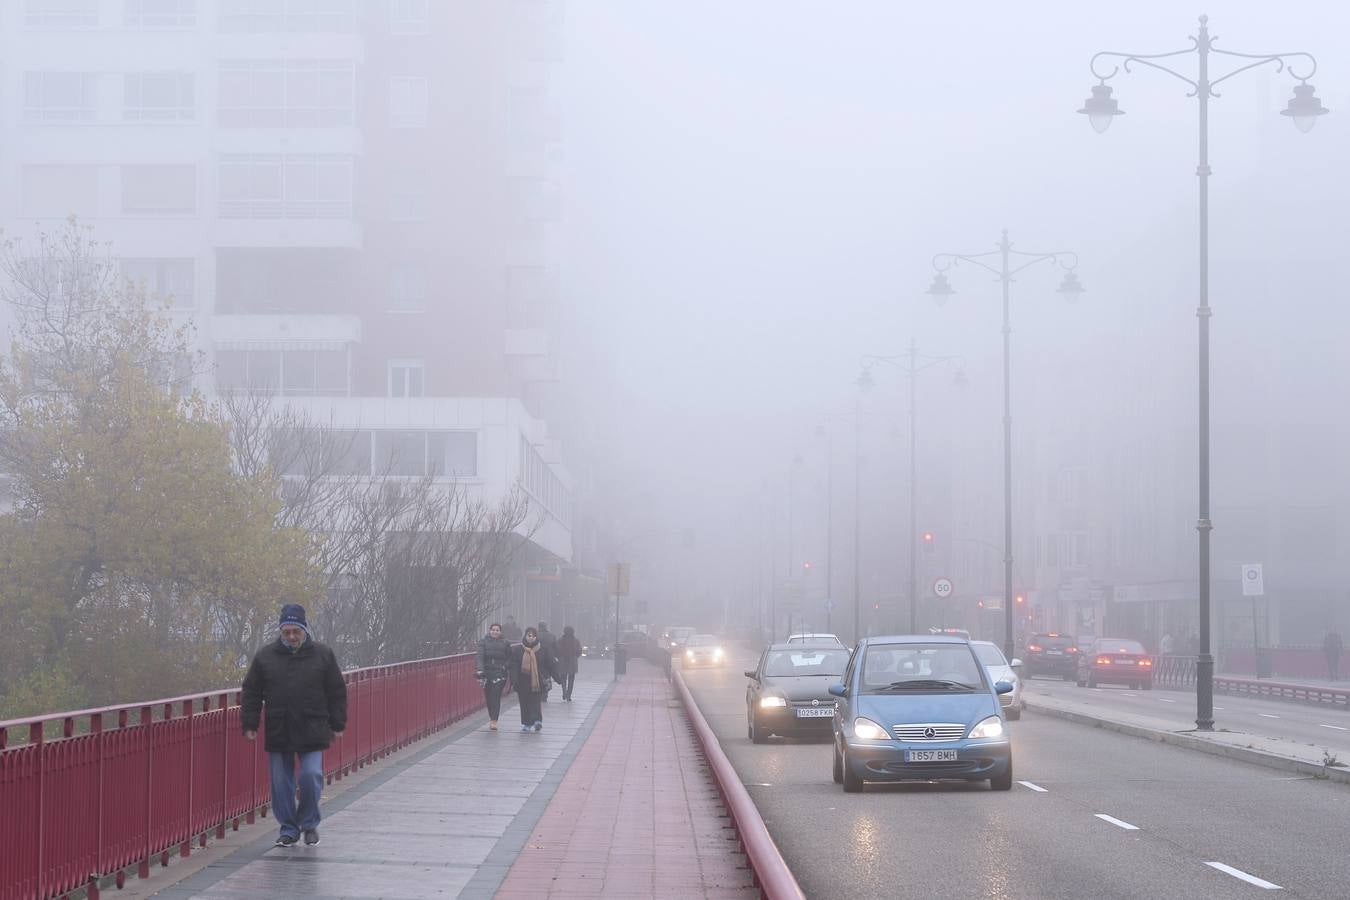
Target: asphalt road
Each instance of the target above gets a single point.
(1048, 841)
(1320, 726)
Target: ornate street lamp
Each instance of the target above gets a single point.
(1304, 109)
(1011, 262)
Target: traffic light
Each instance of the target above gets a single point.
(1021, 599)
(806, 567)
(929, 544)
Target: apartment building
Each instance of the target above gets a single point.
(353, 200)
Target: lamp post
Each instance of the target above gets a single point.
(822, 431)
(1011, 262)
(911, 364)
(864, 384)
(1304, 109)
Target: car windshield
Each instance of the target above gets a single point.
(1114, 646)
(930, 668)
(790, 663)
(989, 655)
(1051, 641)
(703, 640)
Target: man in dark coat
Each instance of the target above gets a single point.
(569, 652)
(511, 631)
(549, 641)
(295, 686)
(494, 662)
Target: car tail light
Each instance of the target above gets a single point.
(1103, 660)
(1145, 662)
(1034, 648)
(1072, 650)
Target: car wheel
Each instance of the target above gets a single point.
(1148, 685)
(1091, 681)
(1134, 685)
(838, 767)
(757, 734)
(852, 783)
(1068, 678)
(1082, 682)
(1014, 713)
(1003, 782)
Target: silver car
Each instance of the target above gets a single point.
(996, 664)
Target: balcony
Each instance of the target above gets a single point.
(234, 330)
(250, 225)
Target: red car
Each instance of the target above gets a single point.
(1116, 661)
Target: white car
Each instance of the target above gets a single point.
(819, 638)
(996, 664)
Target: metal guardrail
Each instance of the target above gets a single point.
(125, 784)
(1174, 671)
(771, 873)
(1282, 690)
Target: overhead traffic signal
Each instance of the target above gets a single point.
(929, 542)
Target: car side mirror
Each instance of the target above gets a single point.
(838, 690)
(1003, 687)
(751, 674)
(1016, 663)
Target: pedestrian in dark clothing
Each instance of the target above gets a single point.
(1331, 646)
(494, 664)
(295, 686)
(531, 667)
(549, 641)
(511, 631)
(569, 651)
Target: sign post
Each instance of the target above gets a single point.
(942, 589)
(1254, 586)
(618, 586)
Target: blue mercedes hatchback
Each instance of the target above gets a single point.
(919, 707)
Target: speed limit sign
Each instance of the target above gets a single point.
(942, 588)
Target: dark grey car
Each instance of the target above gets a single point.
(789, 691)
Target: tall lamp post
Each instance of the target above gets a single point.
(1304, 109)
(912, 363)
(1011, 262)
(822, 431)
(864, 384)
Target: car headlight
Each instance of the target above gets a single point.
(867, 730)
(689, 653)
(991, 727)
(769, 702)
(718, 653)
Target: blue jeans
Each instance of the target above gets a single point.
(294, 820)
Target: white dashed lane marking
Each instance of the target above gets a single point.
(1250, 879)
(1117, 822)
(1267, 716)
(1035, 787)
(1337, 727)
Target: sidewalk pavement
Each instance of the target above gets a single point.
(1275, 753)
(638, 814)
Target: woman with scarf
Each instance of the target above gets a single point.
(532, 665)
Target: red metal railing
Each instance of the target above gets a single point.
(772, 875)
(123, 785)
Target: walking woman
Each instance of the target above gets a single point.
(494, 662)
(531, 668)
(569, 651)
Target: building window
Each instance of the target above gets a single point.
(278, 186)
(420, 453)
(58, 97)
(295, 16)
(295, 370)
(291, 93)
(159, 189)
(159, 13)
(406, 377)
(543, 484)
(169, 281)
(59, 191)
(409, 17)
(61, 14)
(407, 288)
(408, 101)
(158, 97)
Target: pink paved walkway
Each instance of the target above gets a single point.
(637, 814)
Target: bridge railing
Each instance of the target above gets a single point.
(89, 794)
(1174, 671)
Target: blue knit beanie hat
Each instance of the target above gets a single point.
(294, 614)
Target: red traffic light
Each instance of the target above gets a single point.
(1021, 599)
(928, 537)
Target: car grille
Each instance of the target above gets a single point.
(944, 731)
(828, 704)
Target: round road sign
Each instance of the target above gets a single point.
(942, 588)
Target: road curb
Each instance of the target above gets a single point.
(1191, 742)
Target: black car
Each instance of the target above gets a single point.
(1051, 654)
(789, 691)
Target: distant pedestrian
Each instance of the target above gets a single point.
(1331, 646)
(510, 630)
(569, 652)
(531, 668)
(549, 641)
(494, 662)
(1167, 646)
(294, 684)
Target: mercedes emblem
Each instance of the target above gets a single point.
(929, 732)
